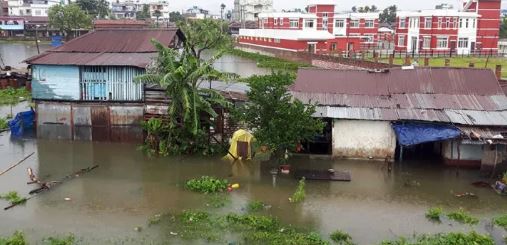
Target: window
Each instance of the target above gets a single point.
(466, 23)
(401, 40)
(439, 22)
(294, 23)
(324, 24)
(403, 23)
(473, 23)
(280, 21)
(277, 40)
(460, 23)
(368, 38)
(333, 46)
(426, 42)
(463, 42)
(339, 23)
(275, 21)
(428, 22)
(454, 22)
(442, 42)
(309, 24)
(354, 23)
(413, 22)
(369, 24)
(324, 15)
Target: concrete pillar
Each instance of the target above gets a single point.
(498, 72)
(471, 65)
(447, 63)
(426, 61)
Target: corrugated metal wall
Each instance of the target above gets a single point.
(110, 83)
(97, 122)
(55, 82)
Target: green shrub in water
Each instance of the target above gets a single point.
(501, 221)
(341, 238)
(18, 238)
(3, 124)
(218, 200)
(13, 198)
(462, 217)
(453, 238)
(207, 184)
(433, 214)
(299, 195)
(193, 216)
(255, 206)
(67, 240)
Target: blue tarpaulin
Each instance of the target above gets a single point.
(418, 133)
(23, 120)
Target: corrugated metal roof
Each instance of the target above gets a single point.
(479, 118)
(140, 60)
(482, 132)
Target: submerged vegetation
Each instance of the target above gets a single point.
(3, 124)
(434, 214)
(207, 184)
(19, 238)
(462, 217)
(453, 238)
(501, 221)
(13, 197)
(265, 61)
(65, 240)
(255, 206)
(12, 96)
(341, 238)
(299, 195)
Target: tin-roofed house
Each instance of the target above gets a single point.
(85, 89)
(455, 113)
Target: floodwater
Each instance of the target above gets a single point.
(13, 53)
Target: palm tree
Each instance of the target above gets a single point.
(222, 7)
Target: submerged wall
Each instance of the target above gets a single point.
(117, 122)
(363, 139)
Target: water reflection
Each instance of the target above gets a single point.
(13, 53)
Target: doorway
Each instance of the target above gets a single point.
(311, 48)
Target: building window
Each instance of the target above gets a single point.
(426, 42)
(333, 46)
(275, 21)
(401, 40)
(454, 22)
(463, 42)
(448, 23)
(369, 24)
(368, 38)
(442, 42)
(339, 23)
(473, 23)
(277, 40)
(309, 24)
(324, 15)
(428, 22)
(466, 23)
(324, 24)
(460, 23)
(294, 23)
(280, 21)
(439, 22)
(403, 23)
(354, 23)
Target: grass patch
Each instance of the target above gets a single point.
(299, 195)
(13, 197)
(453, 238)
(66, 240)
(462, 217)
(218, 200)
(207, 184)
(18, 238)
(501, 221)
(255, 206)
(12, 96)
(3, 124)
(265, 61)
(433, 214)
(341, 237)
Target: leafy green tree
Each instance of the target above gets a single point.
(68, 18)
(279, 121)
(388, 15)
(94, 8)
(175, 16)
(204, 35)
(144, 13)
(503, 28)
(157, 15)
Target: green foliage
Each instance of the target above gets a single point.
(207, 184)
(388, 15)
(189, 216)
(175, 17)
(13, 197)
(434, 214)
(255, 206)
(12, 96)
(67, 240)
(279, 120)
(265, 61)
(341, 237)
(445, 239)
(144, 13)
(206, 34)
(218, 200)
(365, 9)
(18, 238)
(94, 8)
(299, 195)
(462, 217)
(503, 28)
(501, 221)
(67, 18)
(3, 124)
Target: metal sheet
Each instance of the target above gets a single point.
(100, 123)
(470, 117)
(140, 60)
(126, 115)
(81, 115)
(133, 134)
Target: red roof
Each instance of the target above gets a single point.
(121, 23)
(140, 60)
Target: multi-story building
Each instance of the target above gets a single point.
(127, 9)
(249, 10)
(124, 10)
(30, 7)
(473, 29)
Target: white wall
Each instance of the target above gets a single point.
(467, 152)
(363, 139)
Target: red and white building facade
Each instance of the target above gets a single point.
(323, 30)
(471, 30)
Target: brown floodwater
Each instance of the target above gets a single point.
(128, 188)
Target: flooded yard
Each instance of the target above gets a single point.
(127, 189)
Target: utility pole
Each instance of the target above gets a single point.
(37, 38)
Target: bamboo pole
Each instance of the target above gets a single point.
(15, 165)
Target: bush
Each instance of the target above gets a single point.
(462, 217)
(207, 184)
(68, 240)
(18, 238)
(341, 238)
(12, 96)
(434, 214)
(13, 198)
(501, 221)
(299, 195)
(3, 124)
(255, 206)
(472, 238)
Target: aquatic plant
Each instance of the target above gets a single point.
(3, 124)
(433, 214)
(341, 237)
(67, 240)
(462, 217)
(190, 216)
(501, 221)
(255, 206)
(218, 200)
(299, 195)
(13, 197)
(18, 238)
(453, 238)
(207, 184)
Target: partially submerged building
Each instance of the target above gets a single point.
(85, 89)
(455, 113)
